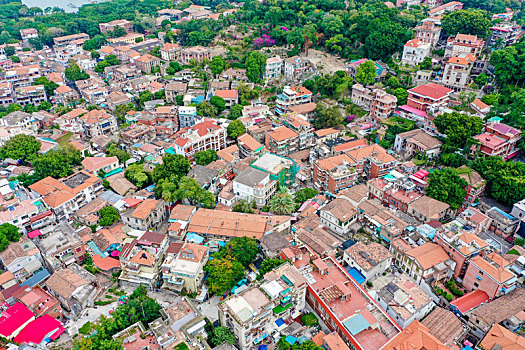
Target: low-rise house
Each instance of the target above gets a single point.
(481, 108)
(415, 336)
(22, 259)
(97, 164)
(335, 173)
(490, 274)
(149, 214)
(75, 288)
(254, 185)
(282, 140)
(39, 302)
(199, 137)
(61, 249)
(146, 62)
(410, 143)
(403, 300)
(500, 337)
(503, 224)
(170, 52)
(338, 215)
(98, 122)
(274, 68)
(423, 263)
(105, 28)
(197, 53)
(427, 209)
(464, 44)
(369, 260)
(173, 90)
(499, 140)
(183, 266)
(34, 95)
(456, 74)
(295, 67)
(272, 244)
(290, 97)
(300, 124)
(230, 97)
(14, 319)
(428, 31)
(415, 51)
(248, 146)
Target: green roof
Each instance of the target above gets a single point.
(280, 309)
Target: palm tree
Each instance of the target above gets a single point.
(282, 203)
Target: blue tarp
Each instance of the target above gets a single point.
(279, 322)
(194, 238)
(36, 278)
(95, 249)
(358, 276)
(290, 340)
(356, 324)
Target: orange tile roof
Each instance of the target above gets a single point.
(143, 258)
(335, 342)
(105, 264)
(348, 146)
(499, 337)
(374, 150)
(144, 209)
(332, 162)
(496, 270)
(226, 93)
(428, 255)
(324, 132)
(93, 164)
(282, 133)
(415, 336)
(249, 142)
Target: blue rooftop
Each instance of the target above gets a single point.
(194, 238)
(356, 324)
(36, 278)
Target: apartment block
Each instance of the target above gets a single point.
(335, 173)
(105, 28)
(499, 140)
(428, 31)
(183, 266)
(282, 141)
(464, 44)
(490, 274)
(292, 96)
(149, 214)
(380, 103)
(199, 137)
(415, 51)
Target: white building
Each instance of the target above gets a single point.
(187, 116)
(254, 185)
(371, 260)
(338, 215)
(274, 67)
(415, 51)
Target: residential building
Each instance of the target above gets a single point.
(254, 185)
(141, 260)
(475, 184)
(280, 168)
(428, 31)
(187, 116)
(274, 68)
(475, 219)
(197, 53)
(254, 313)
(67, 195)
(335, 173)
(464, 44)
(500, 337)
(98, 122)
(415, 336)
(248, 146)
(481, 108)
(370, 261)
(35, 95)
(499, 140)
(292, 96)
(415, 51)
(68, 39)
(96, 164)
(149, 214)
(7, 96)
(20, 76)
(22, 259)
(146, 63)
(105, 28)
(230, 97)
(199, 137)
(424, 263)
(351, 68)
(295, 67)
(504, 34)
(173, 90)
(300, 124)
(14, 319)
(137, 133)
(130, 39)
(183, 266)
(338, 215)
(372, 161)
(75, 288)
(490, 274)
(380, 104)
(410, 143)
(427, 209)
(432, 95)
(402, 299)
(456, 74)
(282, 141)
(170, 52)
(503, 224)
(39, 302)
(28, 33)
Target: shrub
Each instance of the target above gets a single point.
(85, 329)
(449, 297)
(369, 284)
(309, 320)
(439, 291)
(102, 303)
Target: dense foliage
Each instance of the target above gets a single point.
(108, 216)
(446, 186)
(8, 233)
(205, 157)
(459, 128)
(20, 147)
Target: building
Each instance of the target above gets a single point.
(415, 336)
(456, 74)
(335, 173)
(98, 122)
(499, 140)
(22, 259)
(295, 67)
(68, 39)
(280, 168)
(74, 287)
(14, 319)
(20, 76)
(290, 97)
(427, 96)
(187, 116)
(415, 51)
(503, 224)
(411, 143)
(34, 95)
(254, 185)
(230, 97)
(170, 52)
(464, 44)
(67, 195)
(257, 313)
(427, 262)
(96, 164)
(402, 299)
(146, 63)
(105, 28)
(369, 260)
(282, 141)
(338, 215)
(28, 33)
(274, 68)
(197, 53)
(248, 146)
(149, 214)
(490, 274)
(141, 260)
(199, 137)
(351, 68)
(372, 161)
(504, 35)
(428, 31)
(427, 209)
(475, 184)
(183, 266)
(499, 337)
(380, 104)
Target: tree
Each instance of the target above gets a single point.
(304, 194)
(206, 109)
(401, 95)
(469, 21)
(185, 189)
(49, 86)
(235, 112)
(136, 174)
(218, 102)
(172, 165)
(179, 99)
(447, 186)
(145, 96)
(221, 335)
(242, 206)
(205, 157)
(270, 264)
(366, 72)
(241, 249)
(113, 150)
(426, 64)
(282, 203)
(56, 163)
(223, 274)
(117, 32)
(74, 73)
(235, 129)
(458, 127)
(482, 79)
(173, 68)
(330, 117)
(108, 216)
(217, 65)
(20, 147)
(255, 65)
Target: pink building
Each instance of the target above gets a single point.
(491, 275)
(499, 140)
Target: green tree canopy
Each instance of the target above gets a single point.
(206, 109)
(205, 157)
(270, 264)
(74, 73)
(255, 65)
(172, 165)
(242, 206)
(136, 174)
(223, 274)
(56, 163)
(469, 21)
(108, 216)
(304, 194)
(20, 147)
(446, 186)
(217, 65)
(241, 249)
(221, 335)
(458, 127)
(235, 112)
(282, 202)
(49, 86)
(113, 150)
(366, 72)
(8, 233)
(235, 129)
(324, 117)
(218, 102)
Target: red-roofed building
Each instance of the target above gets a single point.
(292, 96)
(430, 95)
(282, 141)
(490, 274)
(40, 329)
(468, 301)
(231, 97)
(464, 44)
(200, 137)
(499, 140)
(14, 319)
(415, 51)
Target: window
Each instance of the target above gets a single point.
(476, 284)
